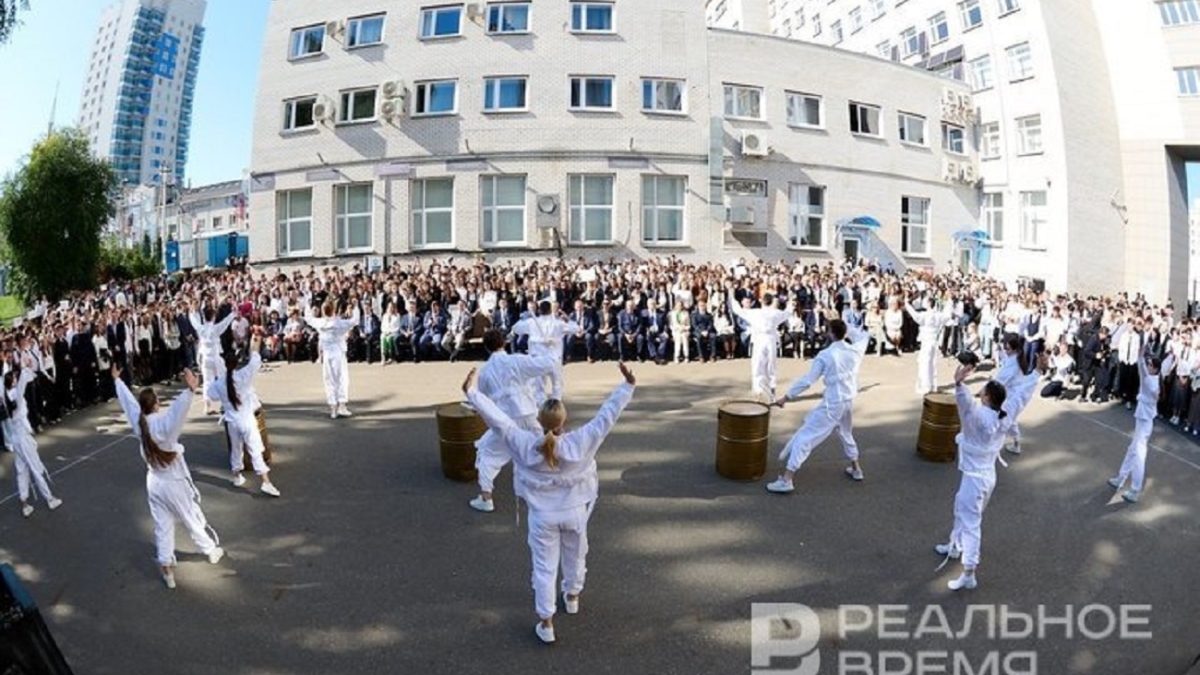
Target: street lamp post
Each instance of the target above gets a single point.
(163, 172)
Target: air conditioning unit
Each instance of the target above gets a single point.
(474, 11)
(333, 28)
(323, 111)
(967, 173)
(390, 109)
(394, 89)
(964, 102)
(754, 144)
(949, 98)
(740, 215)
(950, 170)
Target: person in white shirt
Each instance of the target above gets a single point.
(838, 364)
(555, 473)
(331, 339)
(929, 322)
(1061, 364)
(208, 332)
(763, 326)
(545, 333)
(18, 436)
(1133, 468)
(240, 403)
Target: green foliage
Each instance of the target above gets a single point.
(126, 264)
(10, 308)
(51, 215)
(8, 17)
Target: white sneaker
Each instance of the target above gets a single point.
(571, 605)
(1128, 405)
(54, 503)
(1014, 448)
(343, 411)
(27, 510)
(238, 480)
(781, 486)
(855, 474)
(169, 579)
(966, 581)
(949, 550)
(333, 413)
(545, 634)
(1174, 421)
(215, 555)
(1116, 482)
(269, 489)
(1130, 496)
(484, 505)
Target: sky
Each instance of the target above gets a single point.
(52, 48)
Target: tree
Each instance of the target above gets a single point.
(52, 213)
(8, 17)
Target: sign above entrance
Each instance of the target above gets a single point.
(746, 186)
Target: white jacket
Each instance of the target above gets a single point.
(513, 382)
(165, 428)
(838, 364)
(981, 437)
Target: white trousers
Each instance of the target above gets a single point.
(244, 435)
(29, 467)
(973, 494)
(491, 454)
(211, 369)
(1134, 466)
(682, 346)
(816, 428)
(557, 537)
(762, 367)
(176, 501)
(927, 367)
(336, 374)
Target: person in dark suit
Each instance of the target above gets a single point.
(409, 334)
(61, 353)
(1093, 356)
(433, 329)
(117, 334)
(503, 320)
(606, 329)
(658, 337)
(704, 333)
(369, 328)
(187, 338)
(585, 318)
(84, 367)
(631, 340)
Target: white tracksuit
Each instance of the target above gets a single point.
(838, 365)
(930, 323)
(208, 349)
(978, 450)
(1020, 392)
(1134, 464)
(18, 434)
(763, 325)
(546, 335)
(514, 383)
(560, 500)
(240, 422)
(173, 497)
(331, 336)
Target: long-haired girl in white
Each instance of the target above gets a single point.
(235, 391)
(18, 434)
(331, 336)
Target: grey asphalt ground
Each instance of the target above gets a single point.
(373, 563)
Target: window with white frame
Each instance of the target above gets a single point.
(939, 28)
(1020, 62)
(358, 105)
(1189, 81)
(878, 8)
(661, 95)
(806, 215)
(864, 119)
(971, 12)
(298, 113)
(856, 19)
(1007, 6)
(805, 110)
(743, 102)
(592, 17)
(590, 198)
(502, 199)
(884, 49)
(910, 41)
(912, 128)
(362, 31)
(507, 18)
(1029, 135)
(1179, 12)
(293, 220)
(993, 216)
(433, 212)
(954, 139)
(663, 209)
(800, 20)
(914, 225)
(1033, 218)
(441, 22)
(505, 94)
(816, 24)
(592, 92)
(352, 216)
(436, 97)
(307, 41)
(981, 73)
(835, 30)
(989, 140)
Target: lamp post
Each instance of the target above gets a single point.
(164, 171)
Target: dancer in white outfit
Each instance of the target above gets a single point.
(546, 333)
(930, 322)
(983, 429)
(239, 400)
(1020, 379)
(331, 339)
(555, 473)
(172, 494)
(514, 383)
(838, 364)
(1133, 467)
(18, 435)
(763, 326)
(209, 332)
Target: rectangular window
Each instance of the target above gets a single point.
(436, 97)
(878, 8)
(981, 73)
(502, 199)
(743, 102)
(505, 94)
(864, 119)
(816, 23)
(1029, 135)
(298, 113)
(910, 41)
(954, 139)
(914, 225)
(856, 20)
(805, 110)
(358, 105)
(912, 128)
(884, 49)
(293, 218)
(1007, 6)
(307, 41)
(591, 205)
(972, 13)
(1020, 62)
(993, 215)
(507, 18)
(352, 216)
(835, 29)
(989, 141)
(1179, 12)
(662, 209)
(592, 17)
(662, 95)
(433, 212)
(592, 93)
(216, 222)
(364, 30)
(1189, 81)
(440, 22)
(806, 216)
(939, 28)
(1033, 218)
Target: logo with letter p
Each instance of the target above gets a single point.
(784, 632)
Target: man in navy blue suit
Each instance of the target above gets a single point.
(585, 318)
(658, 337)
(630, 341)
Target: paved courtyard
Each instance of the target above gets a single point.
(373, 563)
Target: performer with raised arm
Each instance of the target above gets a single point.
(763, 326)
(929, 322)
(1019, 375)
(331, 340)
(555, 473)
(18, 436)
(172, 494)
(546, 332)
(1133, 468)
(209, 332)
(236, 393)
(838, 364)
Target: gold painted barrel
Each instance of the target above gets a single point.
(260, 418)
(458, 429)
(743, 430)
(939, 426)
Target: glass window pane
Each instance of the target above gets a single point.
(364, 105)
(598, 190)
(438, 228)
(360, 231)
(418, 232)
(599, 17)
(359, 198)
(512, 93)
(447, 21)
(441, 98)
(301, 236)
(576, 225)
(599, 224)
(511, 225)
(670, 225)
(576, 187)
(488, 235)
(439, 193)
(300, 204)
(647, 95)
(510, 191)
(670, 191)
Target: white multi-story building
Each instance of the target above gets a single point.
(141, 79)
(1087, 112)
(596, 129)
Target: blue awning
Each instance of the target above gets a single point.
(866, 221)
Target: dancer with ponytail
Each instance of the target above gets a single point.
(172, 494)
(331, 339)
(1133, 468)
(555, 473)
(236, 394)
(1019, 374)
(18, 435)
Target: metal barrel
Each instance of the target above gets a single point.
(939, 426)
(458, 429)
(743, 431)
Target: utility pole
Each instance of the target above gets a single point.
(163, 172)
